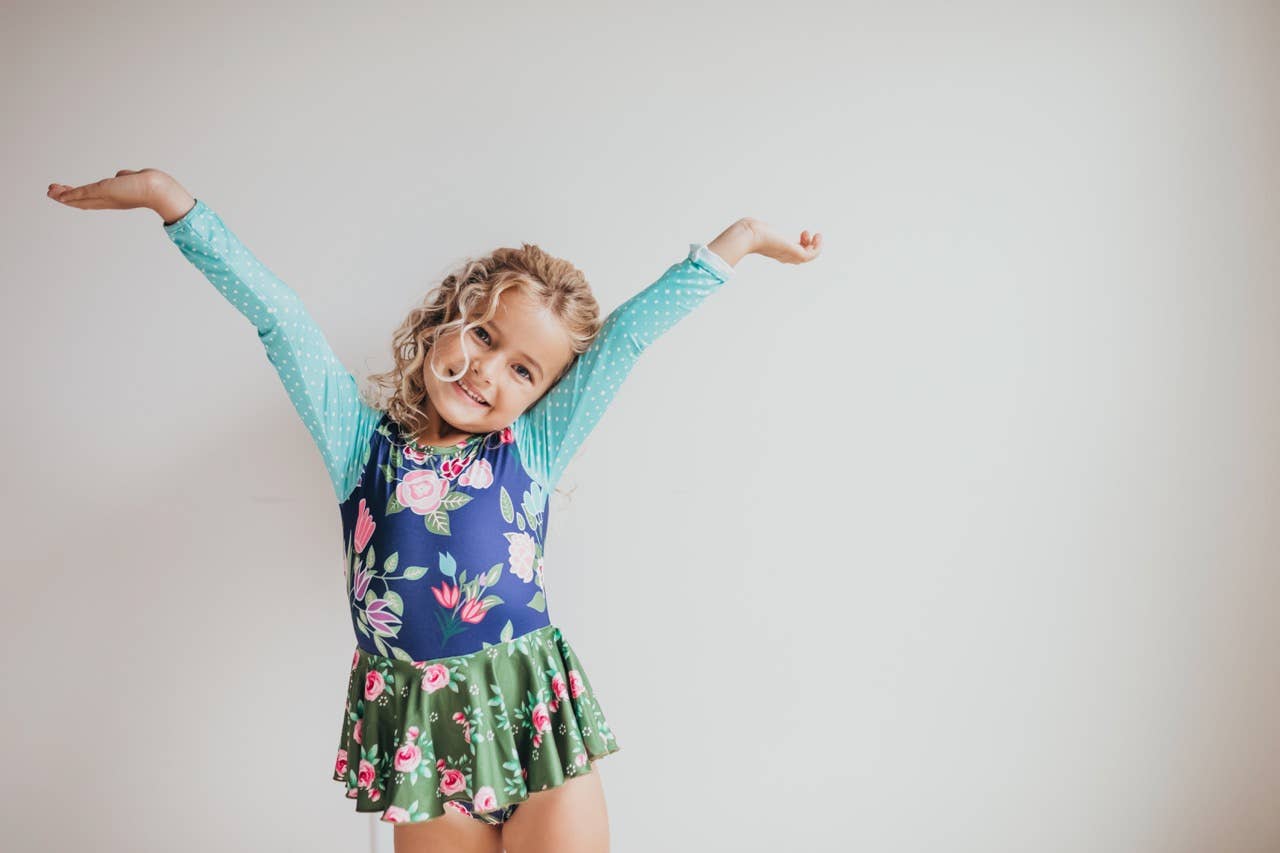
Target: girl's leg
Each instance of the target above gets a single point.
(450, 833)
(569, 819)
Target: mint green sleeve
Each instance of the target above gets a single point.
(322, 391)
(550, 431)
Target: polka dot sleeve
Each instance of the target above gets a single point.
(549, 432)
(322, 391)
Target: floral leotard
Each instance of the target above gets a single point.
(462, 693)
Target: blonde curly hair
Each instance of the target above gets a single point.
(468, 297)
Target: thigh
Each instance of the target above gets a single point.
(569, 819)
(450, 833)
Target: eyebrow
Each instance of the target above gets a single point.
(524, 355)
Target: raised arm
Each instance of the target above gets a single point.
(549, 432)
(323, 392)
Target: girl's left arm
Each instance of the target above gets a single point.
(550, 431)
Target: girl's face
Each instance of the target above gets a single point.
(514, 358)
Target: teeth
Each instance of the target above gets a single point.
(470, 394)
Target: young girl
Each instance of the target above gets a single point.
(465, 702)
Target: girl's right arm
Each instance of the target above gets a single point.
(323, 392)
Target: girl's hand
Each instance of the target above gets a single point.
(128, 189)
(770, 242)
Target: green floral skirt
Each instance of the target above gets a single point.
(476, 733)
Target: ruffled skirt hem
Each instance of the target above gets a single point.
(478, 732)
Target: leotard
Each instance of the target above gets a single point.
(443, 552)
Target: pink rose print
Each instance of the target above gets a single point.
(479, 475)
(408, 757)
(395, 814)
(357, 734)
(355, 658)
(457, 807)
(434, 677)
(507, 435)
(541, 719)
(364, 526)
(415, 455)
(485, 800)
(373, 684)
(473, 611)
(340, 768)
(452, 781)
(452, 467)
(422, 491)
(446, 594)
(557, 686)
(520, 551)
(364, 776)
(412, 733)
(461, 719)
(374, 794)
(580, 759)
(575, 684)
(440, 764)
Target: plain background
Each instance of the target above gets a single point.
(962, 537)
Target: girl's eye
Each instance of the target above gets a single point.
(479, 330)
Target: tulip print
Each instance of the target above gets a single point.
(465, 601)
(382, 618)
(364, 526)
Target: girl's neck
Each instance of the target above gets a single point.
(439, 432)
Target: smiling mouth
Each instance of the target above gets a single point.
(469, 394)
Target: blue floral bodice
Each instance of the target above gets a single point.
(443, 545)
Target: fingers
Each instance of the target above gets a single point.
(81, 193)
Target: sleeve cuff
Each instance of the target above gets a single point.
(196, 210)
(710, 261)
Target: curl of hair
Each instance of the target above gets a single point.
(468, 297)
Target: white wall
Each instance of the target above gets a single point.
(960, 538)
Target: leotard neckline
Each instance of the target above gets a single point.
(442, 449)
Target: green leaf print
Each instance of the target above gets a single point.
(382, 647)
(393, 505)
(491, 601)
(520, 521)
(462, 578)
(437, 522)
(412, 573)
(368, 557)
(395, 602)
(508, 513)
(402, 655)
(389, 473)
(396, 459)
(389, 565)
(507, 630)
(494, 573)
(538, 602)
(456, 500)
